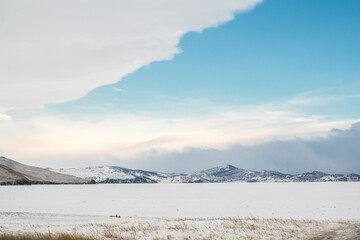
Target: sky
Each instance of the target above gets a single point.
(179, 86)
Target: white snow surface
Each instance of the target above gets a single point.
(327, 200)
(101, 227)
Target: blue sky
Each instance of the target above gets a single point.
(145, 92)
(279, 51)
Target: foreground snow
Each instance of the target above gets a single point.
(180, 211)
(100, 227)
(326, 201)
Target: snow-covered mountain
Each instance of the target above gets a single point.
(13, 173)
(113, 174)
(227, 173)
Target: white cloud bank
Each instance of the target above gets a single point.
(338, 152)
(95, 140)
(53, 51)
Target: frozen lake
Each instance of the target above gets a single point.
(332, 200)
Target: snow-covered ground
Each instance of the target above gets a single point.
(100, 227)
(327, 201)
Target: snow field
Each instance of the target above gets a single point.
(99, 227)
(319, 201)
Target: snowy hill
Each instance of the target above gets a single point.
(227, 173)
(13, 173)
(113, 174)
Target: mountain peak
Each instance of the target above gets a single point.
(228, 167)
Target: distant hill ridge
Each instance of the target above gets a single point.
(15, 173)
(226, 173)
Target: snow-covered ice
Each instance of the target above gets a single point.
(332, 200)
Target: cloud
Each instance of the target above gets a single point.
(337, 152)
(326, 96)
(4, 117)
(124, 138)
(54, 51)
